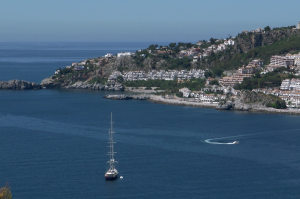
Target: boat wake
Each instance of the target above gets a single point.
(221, 139)
(209, 141)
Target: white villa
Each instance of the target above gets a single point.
(123, 54)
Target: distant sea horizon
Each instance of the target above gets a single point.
(36, 61)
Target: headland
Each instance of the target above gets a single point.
(258, 70)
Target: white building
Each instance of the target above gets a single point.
(195, 58)
(282, 61)
(185, 92)
(123, 54)
(231, 42)
(285, 85)
(108, 55)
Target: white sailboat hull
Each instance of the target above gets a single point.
(111, 175)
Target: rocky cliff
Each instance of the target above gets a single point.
(50, 83)
(18, 85)
(245, 42)
(246, 100)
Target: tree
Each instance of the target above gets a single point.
(189, 45)
(208, 74)
(5, 192)
(152, 47)
(66, 70)
(214, 82)
(212, 40)
(120, 79)
(172, 45)
(257, 75)
(267, 28)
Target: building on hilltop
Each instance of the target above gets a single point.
(123, 54)
(258, 30)
(298, 26)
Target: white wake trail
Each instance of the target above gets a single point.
(214, 140)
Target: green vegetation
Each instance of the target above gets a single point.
(234, 61)
(278, 104)
(120, 79)
(283, 28)
(177, 63)
(140, 56)
(270, 79)
(171, 85)
(121, 69)
(98, 80)
(66, 70)
(267, 28)
(5, 192)
(231, 58)
(214, 82)
(172, 45)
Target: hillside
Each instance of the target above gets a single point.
(177, 56)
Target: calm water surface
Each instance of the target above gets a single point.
(53, 142)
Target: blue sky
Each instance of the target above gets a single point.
(139, 20)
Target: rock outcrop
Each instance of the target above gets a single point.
(247, 100)
(225, 105)
(246, 42)
(49, 83)
(19, 85)
(128, 97)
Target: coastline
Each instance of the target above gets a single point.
(142, 95)
(161, 100)
(180, 102)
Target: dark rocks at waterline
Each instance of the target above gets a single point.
(127, 97)
(118, 97)
(19, 85)
(225, 106)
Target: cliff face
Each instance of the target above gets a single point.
(246, 42)
(246, 100)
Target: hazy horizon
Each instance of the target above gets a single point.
(138, 21)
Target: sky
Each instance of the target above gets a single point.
(139, 20)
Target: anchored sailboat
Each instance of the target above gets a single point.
(112, 172)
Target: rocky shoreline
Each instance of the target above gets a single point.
(170, 100)
(19, 85)
(49, 84)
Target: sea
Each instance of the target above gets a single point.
(53, 143)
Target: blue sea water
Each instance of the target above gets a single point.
(53, 143)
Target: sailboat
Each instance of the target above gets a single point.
(111, 173)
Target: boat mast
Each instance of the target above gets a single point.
(111, 146)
